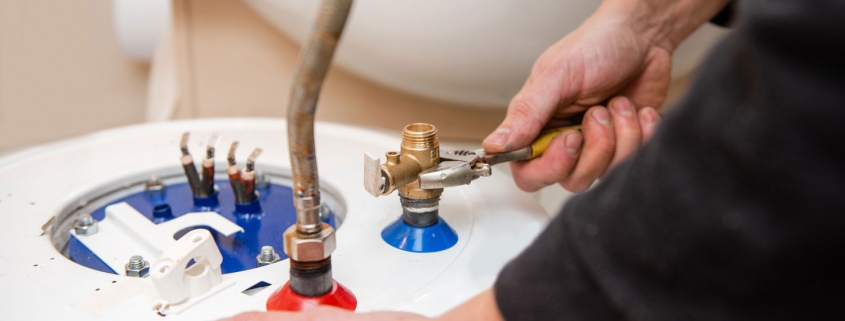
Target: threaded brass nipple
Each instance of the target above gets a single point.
(420, 136)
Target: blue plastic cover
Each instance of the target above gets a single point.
(264, 221)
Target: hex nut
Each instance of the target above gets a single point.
(141, 272)
(310, 248)
(81, 228)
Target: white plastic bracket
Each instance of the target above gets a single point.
(179, 287)
(126, 232)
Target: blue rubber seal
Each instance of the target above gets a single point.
(435, 238)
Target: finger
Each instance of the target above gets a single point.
(531, 108)
(649, 119)
(553, 166)
(525, 118)
(626, 124)
(599, 146)
(317, 313)
(263, 316)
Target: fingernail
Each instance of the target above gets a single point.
(573, 143)
(623, 107)
(601, 116)
(499, 137)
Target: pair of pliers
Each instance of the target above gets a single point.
(461, 167)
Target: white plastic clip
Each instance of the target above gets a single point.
(180, 287)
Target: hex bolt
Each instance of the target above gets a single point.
(262, 180)
(267, 256)
(137, 267)
(85, 225)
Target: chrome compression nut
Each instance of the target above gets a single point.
(267, 256)
(137, 267)
(310, 248)
(85, 225)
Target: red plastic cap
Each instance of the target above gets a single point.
(285, 299)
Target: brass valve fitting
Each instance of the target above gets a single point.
(419, 151)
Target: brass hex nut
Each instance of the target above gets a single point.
(310, 248)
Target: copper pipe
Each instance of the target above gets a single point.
(311, 70)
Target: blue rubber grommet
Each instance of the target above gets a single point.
(253, 207)
(162, 211)
(202, 204)
(434, 238)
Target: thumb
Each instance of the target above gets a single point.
(523, 122)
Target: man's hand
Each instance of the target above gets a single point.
(327, 313)
(624, 49)
(577, 158)
(481, 307)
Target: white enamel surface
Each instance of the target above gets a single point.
(492, 218)
(468, 51)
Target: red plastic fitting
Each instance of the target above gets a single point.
(285, 299)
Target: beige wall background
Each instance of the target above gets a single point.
(62, 73)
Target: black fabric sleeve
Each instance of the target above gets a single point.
(725, 16)
(735, 210)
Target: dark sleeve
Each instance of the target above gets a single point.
(735, 210)
(725, 16)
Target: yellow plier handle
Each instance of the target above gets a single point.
(538, 147)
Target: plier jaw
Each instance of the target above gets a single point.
(461, 167)
(450, 173)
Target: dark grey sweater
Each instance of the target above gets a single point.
(735, 210)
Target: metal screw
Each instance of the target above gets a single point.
(136, 261)
(137, 267)
(154, 184)
(86, 225)
(262, 180)
(267, 256)
(267, 253)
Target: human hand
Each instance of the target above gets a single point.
(607, 56)
(481, 307)
(577, 158)
(326, 313)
